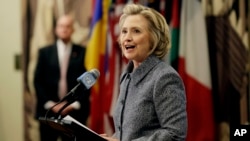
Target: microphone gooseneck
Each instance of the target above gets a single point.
(86, 80)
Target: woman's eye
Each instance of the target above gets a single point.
(124, 31)
(137, 31)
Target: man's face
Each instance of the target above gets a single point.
(64, 28)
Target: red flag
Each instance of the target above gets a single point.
(194, 68)
(113, 65)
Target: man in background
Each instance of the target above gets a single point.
(58, 67)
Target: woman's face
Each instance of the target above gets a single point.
(134, 38)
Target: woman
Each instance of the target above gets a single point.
(152, 102)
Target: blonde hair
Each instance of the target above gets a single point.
(157, 26)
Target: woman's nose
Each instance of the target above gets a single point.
(128, 37)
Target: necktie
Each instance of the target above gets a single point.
(63, 75)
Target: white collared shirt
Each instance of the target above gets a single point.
(63, 49)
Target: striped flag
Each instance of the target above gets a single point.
(103, 53)
(175, 33)
(97, 43)
(194, 68)
(95, 55)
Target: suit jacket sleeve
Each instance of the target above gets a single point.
(39, 79)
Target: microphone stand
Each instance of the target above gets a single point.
(73, 129)
(57, 119)
(71, 96)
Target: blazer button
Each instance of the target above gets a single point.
(128, 76)
(122, 102)
(119, 128)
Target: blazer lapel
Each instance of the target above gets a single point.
(54, 56)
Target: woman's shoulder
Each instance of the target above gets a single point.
(164, 68)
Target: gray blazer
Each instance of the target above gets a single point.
(152, 104)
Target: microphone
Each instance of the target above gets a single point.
(87, 80)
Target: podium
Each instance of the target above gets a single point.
(72, 128)
(68, 125)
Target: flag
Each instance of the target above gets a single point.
(113, 65)
(175, 32)
(97, 42)
(194, 68)
(95, 54)
(162, 8)
(103, 53)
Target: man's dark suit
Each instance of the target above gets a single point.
(47, 75)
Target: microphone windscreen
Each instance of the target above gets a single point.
(95, 72)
